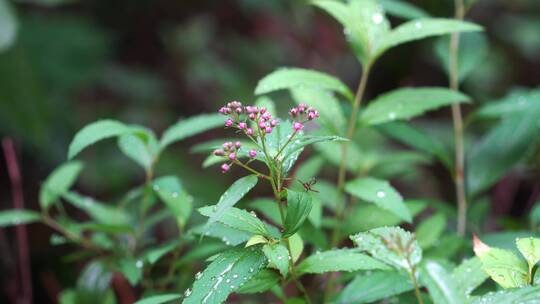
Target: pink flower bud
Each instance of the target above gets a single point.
(237, 144)
(297, 126)
(219, 152)
(238, 110)
(293, 112)
(232, 156)
(249, 131)
(266, 116)
(253, 153)
(273, 122)
(225, 168)
(252, 116)
(311, 115)
(268, 130)
(242, 125)
(228, 123)
(263, 110)
(262, 124)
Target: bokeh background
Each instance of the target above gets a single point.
(152, 62)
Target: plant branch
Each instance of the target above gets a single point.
(412, 274)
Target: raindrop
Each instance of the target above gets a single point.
(232, 286)
(377, 18)
(381, 194)
(251, 270)
(175, 194)
(392, 115)
(139, 264)
(228, 281)
(198, 275)
(187, 293)
(253, 213)
(418, 24)
(235, 276)
(279, 257)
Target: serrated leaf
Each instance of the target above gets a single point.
(339, 260)
(291, 78)
(278, 257)
(102, 213)
(238, 219)
(8, 25)
(297, 246)
(326, 103)
(58, 182)
(374, 286)
(159, 299)
(403, 9)
(298, 208)
(524, 295)
(256, 239)
(225, 275)
(170, 191)
(419, 29)
(515, 102)
(429, 230)
(226, 234)
(441, 285)
(392, 245)
(469, 275)
(190, 127)
(406, 103)
(530, 249)
(141, 146)
(261, 282)
(503, 266)
(95, 132)
(15, 217)
(381, 194)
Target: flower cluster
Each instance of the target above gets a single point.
(301, 114)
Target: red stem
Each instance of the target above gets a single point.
(18, 203)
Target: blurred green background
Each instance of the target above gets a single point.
(64, 64)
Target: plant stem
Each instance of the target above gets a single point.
(286, 144)
(416, 287)
(457, 118)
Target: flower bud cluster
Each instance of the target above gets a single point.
(301, 114)
(239, 117)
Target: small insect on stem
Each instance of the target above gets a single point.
(309, 185)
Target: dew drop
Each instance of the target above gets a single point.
(418, 25)
(235, 276)
(228, 281)
(253, 213)
(381, 194)
(280, 257)
(139, 264)
(232, 286)
(198, 275)
(377, 18)
(251, 270)
(392, 115)
(174, 194)
(187, 293)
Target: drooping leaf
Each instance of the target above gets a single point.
(298, 208)
(530, 249)
(524, 295)
(441, 285)
(406, 103)
(326, 103)
(422, 28)
(503, 266)
(392, 245)
(381, 194)
(261, 282)
(141, 146)
(170, 191)
(190, 127)
(95, 132)
(8, 25)
(93, 283)
(278, 257)
(102, 213)
(339, 260)
(225, 274)
(403, 9)
(238, 219)
(469, 275)
(159, 299)
(15, 217)
(429, 231)
(58, 182)
(291, 78)
(374, 286)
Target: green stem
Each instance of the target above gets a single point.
(412, 274)
(457, 118)
(286, 144)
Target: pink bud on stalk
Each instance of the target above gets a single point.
(242, 125)
(219, 152)
(228, 123)
(249, 131)
(268, 130)
(225, 168)
(252, 153)
(262, 124)
(273, 122)
(232, 156)
(298, 126)
(237, 144)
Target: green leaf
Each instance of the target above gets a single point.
(8, 25)
(278, 257)
(530, 249)
(190, 127)
(261, 282)
(415, 138)
(131, 269)
(58, 182)
(338, 260)
(518, 101)
(503, 266)
(524, 295)
(326, 103)
(228, 235)
(235, 193)
(374, 286)
(298, 208)
(422, 28)
(291, 78)
(441, 285)
(95, 132)
(152, 255)
(93, 283)
(430, 230)
(225, 275)
(170, 191)
(15, 217)
(406, 103)
(102, 213)
(141, 146)
(469, 275)
(297, 246)
(392, 245)
(268, 208)
(403, 9)
(256, 239)
(238, 219)
(303, 141)
(381, 194)
(159, 299)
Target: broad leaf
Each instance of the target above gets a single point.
(58, 182)
(326, 103)
(403, 9)
(392, 245)
(225, 275)
(503, 266)
(141, 146)
(291, 78)
(278, 257)
(93, 283)
(429, 230)
(381, 194)
(469, 275)
(261, 282)
(100, 212)
(338, 260)
(159, 299)
(238, 219)
(15, 217)
(229, 236)
(403, 104)
(170, 191)
(153, 254)
(524, 295)
(441, 285)
(374, 286)
(131, 269)
(530, 249)
(298, 208)
(95, 132)
(518, 101)
(190, 127)
(297, 246)
(8, 25)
